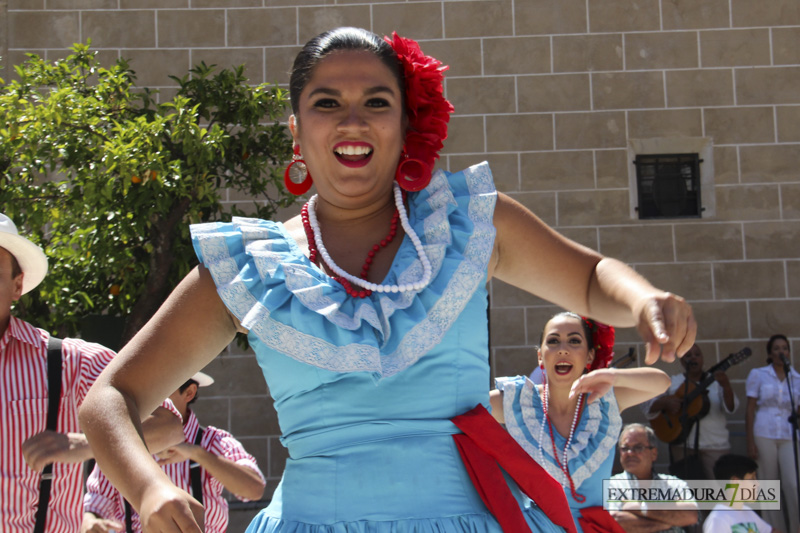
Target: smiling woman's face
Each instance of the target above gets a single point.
(565, 351)
(349, 126)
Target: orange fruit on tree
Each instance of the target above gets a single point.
(136, 179)
(114, 290)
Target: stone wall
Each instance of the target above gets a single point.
(554, 95)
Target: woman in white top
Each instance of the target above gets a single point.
(769, 435)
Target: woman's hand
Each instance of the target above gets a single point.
(667, 325)
(169, 509)
(596, 383)
(632, 386)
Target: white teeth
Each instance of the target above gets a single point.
(563, 367)
(352, 150)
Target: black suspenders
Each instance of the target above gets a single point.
(53, 402)
(194, 471)
(194, 477)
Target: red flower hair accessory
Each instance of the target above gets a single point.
(427, 109)
(602, 342)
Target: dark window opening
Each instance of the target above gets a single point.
(668, 185)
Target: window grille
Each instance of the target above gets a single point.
(668, 185)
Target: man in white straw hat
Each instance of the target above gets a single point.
(42, 456)
(209, 460)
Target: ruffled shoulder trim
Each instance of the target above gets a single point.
(509, 382)
(592, 443)
(597, 438)
(292, 307)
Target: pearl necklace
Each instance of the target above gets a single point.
(373, 287)
(313, 253)
(561, 464)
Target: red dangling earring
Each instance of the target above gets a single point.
(297, 177)
(412, 174)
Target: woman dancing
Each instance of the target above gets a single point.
(571, 423)
(364, 312)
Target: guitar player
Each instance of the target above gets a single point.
(714, 439)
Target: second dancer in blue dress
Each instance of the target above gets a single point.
(570, 423)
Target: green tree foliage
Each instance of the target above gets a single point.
(107, 180)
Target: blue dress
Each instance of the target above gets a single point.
(591, 454)
(365, 388)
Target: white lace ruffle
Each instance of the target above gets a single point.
(277, 276)
(586, 436)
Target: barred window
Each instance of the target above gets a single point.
(668, 185)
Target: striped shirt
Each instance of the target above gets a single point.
(23, 414)
(104, 500)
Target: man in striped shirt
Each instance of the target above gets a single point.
(221, 460)
(26, 445)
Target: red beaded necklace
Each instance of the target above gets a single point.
(313, 253)
(565, 467)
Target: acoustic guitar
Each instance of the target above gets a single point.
(674, 429)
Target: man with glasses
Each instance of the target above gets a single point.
(638, 452)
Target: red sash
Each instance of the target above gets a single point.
(484, 447)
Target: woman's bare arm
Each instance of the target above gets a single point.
(188, 331)
(532, 256)
(496, 401)
(632, 386)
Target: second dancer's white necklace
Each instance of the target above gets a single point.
(563, 463)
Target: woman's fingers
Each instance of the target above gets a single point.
(667, 325)
(652, 328)
(171, 510)
(191, 523)
(596, 383)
